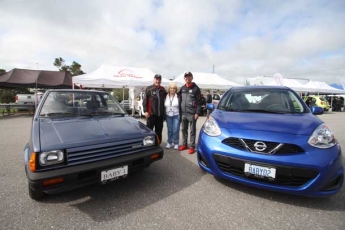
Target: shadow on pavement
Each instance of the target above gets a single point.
(333, 203)
(162, 179)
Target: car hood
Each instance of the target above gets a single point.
(72, 132)
(298, 124)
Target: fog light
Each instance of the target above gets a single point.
(53, 181)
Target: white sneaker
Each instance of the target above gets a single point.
(176, 147)
(168, 146)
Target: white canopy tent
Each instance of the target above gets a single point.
(206, 81)
(322, 87)
(291, 83)
(311, 86)
(116, 77)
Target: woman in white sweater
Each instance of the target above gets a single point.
(172, 116)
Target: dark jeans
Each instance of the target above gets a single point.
(188, 120)
(156, 123)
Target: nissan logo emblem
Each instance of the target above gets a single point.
(260, 146)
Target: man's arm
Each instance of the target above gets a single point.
(145, 98)
(198, 100)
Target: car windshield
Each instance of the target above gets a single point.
(323, 99)
(80, 103)
(262, 100)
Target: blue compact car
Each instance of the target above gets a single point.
(83, 137)
(268, 138)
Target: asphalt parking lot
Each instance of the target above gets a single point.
(171, 194)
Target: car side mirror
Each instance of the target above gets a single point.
(317, 110)
(210, 106)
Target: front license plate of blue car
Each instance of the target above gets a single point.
(114, 174)
(259, 171)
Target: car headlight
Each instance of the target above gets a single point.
(149, 141)
(51, 157)
(322, 137)
(211, 127)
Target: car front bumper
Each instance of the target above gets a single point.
(86, 174)
(326, 172)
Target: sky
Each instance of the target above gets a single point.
(236, 39)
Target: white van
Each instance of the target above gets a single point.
(27, 99)
(138, 104)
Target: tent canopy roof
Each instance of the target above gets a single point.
(206, 81)
(36, 78)
(117, 77)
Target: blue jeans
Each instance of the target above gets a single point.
(173, 124)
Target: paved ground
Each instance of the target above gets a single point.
(171, 194)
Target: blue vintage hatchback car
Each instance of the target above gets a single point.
(81, 137)
(268, 138)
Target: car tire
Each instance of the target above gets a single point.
(35, 194)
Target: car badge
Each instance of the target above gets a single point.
(136, 146)
(260, 146)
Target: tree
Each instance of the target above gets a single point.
(74, 69)
(121, 93)
(2, 71)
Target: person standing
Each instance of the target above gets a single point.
(172, 116)
(208, 101)
(190, 110)
(153, 106)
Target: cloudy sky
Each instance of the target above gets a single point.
(236, 39)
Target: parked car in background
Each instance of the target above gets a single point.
(318, 101)
(27, 99)
(215, 98)
(82, 137)
(126, 105)
(138, 104)
(266, 137)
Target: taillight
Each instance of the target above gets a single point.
(16, 98)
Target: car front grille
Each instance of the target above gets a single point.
(271, 147)
(86, 154)
(287, 176)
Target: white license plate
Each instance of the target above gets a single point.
(259, 171)
(114, 174)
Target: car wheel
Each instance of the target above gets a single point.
(35, 194)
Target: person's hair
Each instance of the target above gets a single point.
(207, 91)
(172, 85)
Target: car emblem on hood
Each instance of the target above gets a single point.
(260, 146)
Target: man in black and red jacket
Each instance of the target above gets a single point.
(190, 102)
(153, 105)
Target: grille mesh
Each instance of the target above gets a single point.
(286, 148)
(103, 151)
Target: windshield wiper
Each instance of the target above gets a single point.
(265, 111)
(107, 113)
(58, 113)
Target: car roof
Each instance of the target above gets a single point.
(76, 90)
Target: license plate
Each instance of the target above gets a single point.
(259, 171)
(114, 174)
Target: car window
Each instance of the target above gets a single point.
(262, 100)
(78, 103)
(216, 97)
